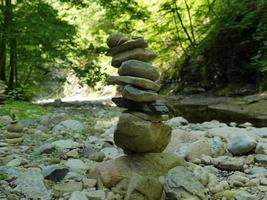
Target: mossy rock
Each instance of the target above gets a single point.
(228, 194)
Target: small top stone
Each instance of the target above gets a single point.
(114, 39)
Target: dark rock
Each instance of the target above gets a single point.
(55, 172)
(136, 54)
(139, 69)
(128, 45)
(114, 39)
(150, 108)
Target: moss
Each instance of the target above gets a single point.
(228, 194)
(22, 109)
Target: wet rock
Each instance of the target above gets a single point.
(241, 144)
(181, 183)
(135, 81)
(145, 136)
(30, 183)
(140, 69)
(229, 163)
(69, 126)
(128, 45)
(55, 173)
(149, 108)
(134, 54)
(132, 93)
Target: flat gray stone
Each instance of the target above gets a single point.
(140, 69)
(136, 54)
(138, 95)
(135, 81)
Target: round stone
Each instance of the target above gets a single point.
(133, 134)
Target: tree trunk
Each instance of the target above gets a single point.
(182, 24)
(3, 39)
(190, 21)
(13, 63)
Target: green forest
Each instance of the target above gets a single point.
(214, 45)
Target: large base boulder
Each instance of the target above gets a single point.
(134, 134)
(136, 176)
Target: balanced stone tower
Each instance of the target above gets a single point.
(140, 128)
(14, 133)
(140, 131)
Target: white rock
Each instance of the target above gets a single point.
(78, 196)
(76, 165)
(66, 144)
(176, 122)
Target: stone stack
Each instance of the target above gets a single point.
(2, 91)
(140, 128)
(14, 133)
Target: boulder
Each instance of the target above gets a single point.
(135, 81)
(157, 107)
(128, 45)
(133, 134)
(241, 144)
(138, 95)
(136, 54)
(137, 175)
(139, 69)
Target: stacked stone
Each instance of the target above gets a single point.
(14, 133)
(140, 128)
(2, 91)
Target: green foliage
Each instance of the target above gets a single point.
(22, 110)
